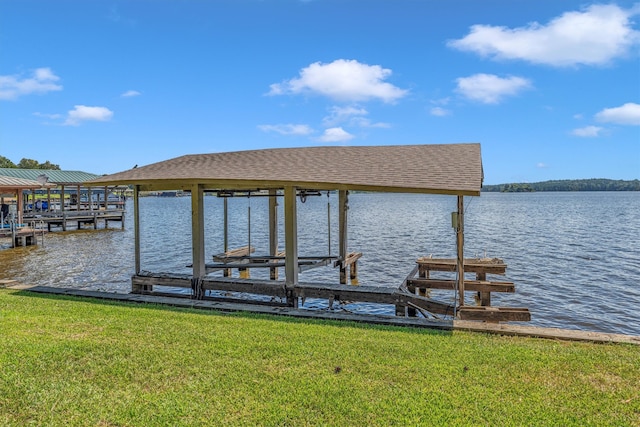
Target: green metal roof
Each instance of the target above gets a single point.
(55, 176)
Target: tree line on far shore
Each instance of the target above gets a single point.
(27, 164)
(594, 184)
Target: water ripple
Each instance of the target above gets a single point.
(574, 257)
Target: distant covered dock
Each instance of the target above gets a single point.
(291, 173)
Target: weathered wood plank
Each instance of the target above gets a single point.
(494, 314)
(412, 300)
(343, 292)
(250, 286)
(461, 325)
(234, 253)
(469, 285)
(471, 265)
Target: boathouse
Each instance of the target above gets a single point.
(292, 173)
(61, 197)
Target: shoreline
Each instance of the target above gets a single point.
(455, 325)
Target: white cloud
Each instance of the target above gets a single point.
(593, 36)
(130, 93)
(489, 88)
(541, 165)
(366, 123)
(587, 132)
(439, 112)
(628, 114)
(42, 80)
(335, 135)
(48, 116)
(287, 129)
(353, 116)
(343, 114)
(81, 113)
(342, 80)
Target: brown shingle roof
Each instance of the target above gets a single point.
(445, 168)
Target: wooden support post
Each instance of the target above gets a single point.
(273, 231)
(136, 226)
(290, 244)
(353, 270)
(62, 198)
(225, 220)
(343, 207)
(78, 199)
(197, 239)
(19, 206)
(485, 296)
(137, 288)
(48, 199)
(89, 198)
(460, 249)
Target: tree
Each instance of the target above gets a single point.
(49, 165)
(28, 164)
(6, 163)
(34, 164)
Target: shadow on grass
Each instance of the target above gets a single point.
(283, 315)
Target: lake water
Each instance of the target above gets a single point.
(574, 257)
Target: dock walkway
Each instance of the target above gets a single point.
(78, 218)
(445, 325)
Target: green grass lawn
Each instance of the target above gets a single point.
(72, 361)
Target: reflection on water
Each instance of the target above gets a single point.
(574, 257)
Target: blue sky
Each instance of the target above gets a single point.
(551, 89)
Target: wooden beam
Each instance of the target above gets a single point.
(291, 241)
(62, 198)
(273, 230)
(197, 231)
(469, 285)
(343, 207)
(460, 249)
(494, 314)
(20, 203)
(136, 226)
(471, 265)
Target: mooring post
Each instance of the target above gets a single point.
(291, 244)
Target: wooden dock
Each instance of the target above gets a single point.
(22, 236)
(483, 287)
(79, 219)
(415, 322)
